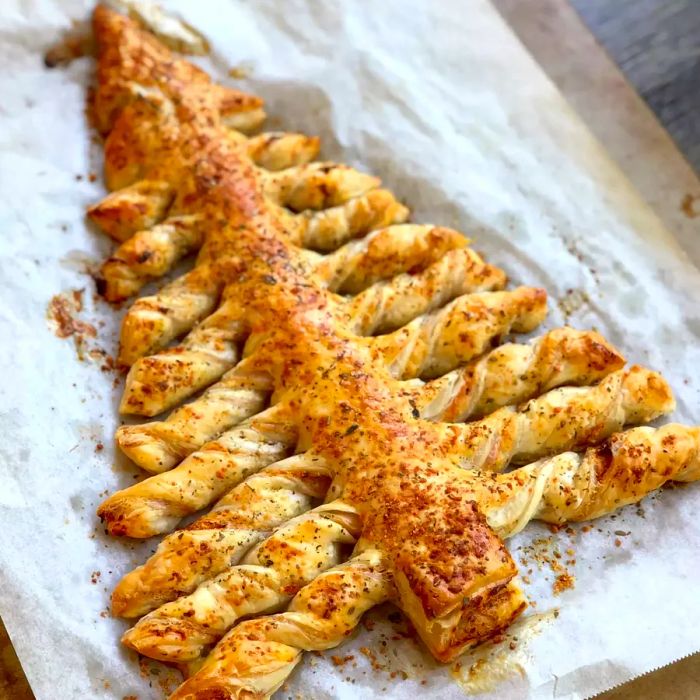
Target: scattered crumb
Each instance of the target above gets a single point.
(372, 658)
(573, 300)
(563, 582)
(544, 552)
(341, 660)
(95, 577)
(688, 205)
(62, 317)
(60, 314)
(241, 71)
(99, 447)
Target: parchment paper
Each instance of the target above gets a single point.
(441, 101)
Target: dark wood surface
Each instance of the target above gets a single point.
(13, 683)
(656, 43)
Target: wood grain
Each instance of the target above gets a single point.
(656, 43)
(13, 683)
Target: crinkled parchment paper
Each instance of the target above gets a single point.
(442, 102)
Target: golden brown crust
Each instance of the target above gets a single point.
(429, 528)
(513, 373)
(214, 542)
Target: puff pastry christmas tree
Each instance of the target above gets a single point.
(361, 431)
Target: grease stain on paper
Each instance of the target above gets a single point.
(483, 669)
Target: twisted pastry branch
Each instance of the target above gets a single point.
(386, 253)
(147, 255)
(317, 186)
(158, 382)
(158, 503)
(328, 229)
(568, 418)
(572, 487)
(319, 617)
(437, 342)
(152, 322)
(513, 373)
(278, 150)
(266, 579)
(134, 208)
(388, 305)
(160, 445)
(241, 519)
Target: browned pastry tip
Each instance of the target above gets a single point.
(127, 54)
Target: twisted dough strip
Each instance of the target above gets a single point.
(437, 342)
(156, 504)
(152, 322)
(513, 373)
(385, 253)
(136, 207)
(160, 445)
(386, 306)
(257, 656)
(568, 418)
(328, 229)
(573, 487)
(316, 185)
(216, 541)
(278, 150)
(147, 255)
(267, 578)
(244, 122)
(158, 382)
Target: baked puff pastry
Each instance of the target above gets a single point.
(356, 425)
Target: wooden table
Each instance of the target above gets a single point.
(656, 43)
(13, 683)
